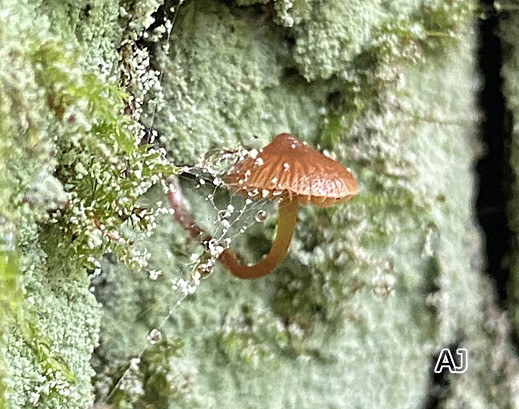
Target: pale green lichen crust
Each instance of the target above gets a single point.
(275, 82)
(49, 355)
(371, 290)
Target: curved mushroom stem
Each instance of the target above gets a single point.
(286, 224)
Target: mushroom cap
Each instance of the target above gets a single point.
(288, 168)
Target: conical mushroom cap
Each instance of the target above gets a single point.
(289, 168)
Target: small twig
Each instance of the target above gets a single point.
(181, 214)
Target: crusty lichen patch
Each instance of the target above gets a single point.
(223, 83)
(370, 290)
(49, 351)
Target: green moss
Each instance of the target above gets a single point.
(73, 169)
(100, 163)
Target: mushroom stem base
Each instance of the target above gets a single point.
(286, 224)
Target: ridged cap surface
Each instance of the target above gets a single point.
(289, 168)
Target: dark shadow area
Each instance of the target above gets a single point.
(438, 390)
(493, 169)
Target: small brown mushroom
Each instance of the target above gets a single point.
(295, 173)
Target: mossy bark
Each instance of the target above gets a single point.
(370, 292)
